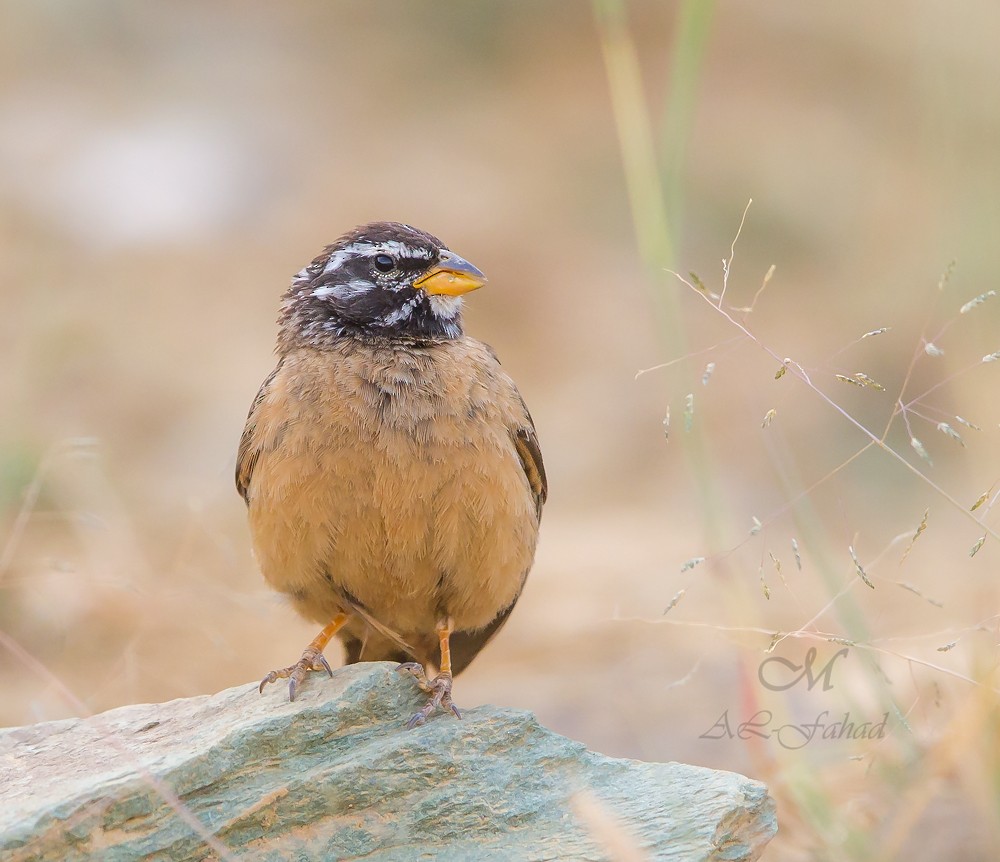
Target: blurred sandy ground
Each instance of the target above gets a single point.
(167, 167)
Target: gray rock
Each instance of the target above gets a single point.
(336, 776)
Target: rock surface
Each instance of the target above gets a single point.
(335, 776)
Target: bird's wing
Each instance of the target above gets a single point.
(526, 442)
(465, 646)
(528, 450)
(250, 443)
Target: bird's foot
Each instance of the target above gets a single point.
(312, 659)
(438, 688)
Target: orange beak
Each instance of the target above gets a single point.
(451, 276)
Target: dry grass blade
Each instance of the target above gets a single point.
(917, 592)
(684, 680)
(946, 429)
(700, 285)
(727, 263)
(982, 499)
(760, 290)
(844, 379)
(777, 568)
(689, 411)
(859, 568)
(635, 133)
(979, 300)
(946, 275)
(865, 380)
(932, 349)
(674, 601)
(967, 423)
(920, 529)
(918, 447)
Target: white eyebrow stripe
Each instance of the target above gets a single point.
(392, 247)
(396, 249)
(337, 259)
(355, 287)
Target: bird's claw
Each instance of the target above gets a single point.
(295, 674)
(438, 688)
(416, 670)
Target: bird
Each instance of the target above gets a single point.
(391, 470)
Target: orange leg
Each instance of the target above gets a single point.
(440, 687)
(444, 630)
(312, 658)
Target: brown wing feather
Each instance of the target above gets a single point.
(465, 646)
(530, 454)
(249, 450)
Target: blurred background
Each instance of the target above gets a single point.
(166, 168)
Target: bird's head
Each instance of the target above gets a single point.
(381, 281)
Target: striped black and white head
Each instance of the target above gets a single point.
(381, 281)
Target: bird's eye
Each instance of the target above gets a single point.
(384, 263)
